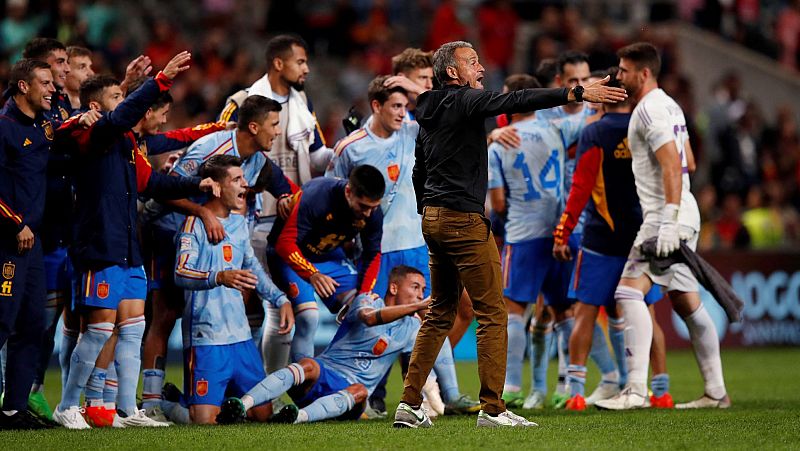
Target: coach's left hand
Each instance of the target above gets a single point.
(562, 253)
(598, 92)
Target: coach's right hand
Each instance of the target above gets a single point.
(324, 286)
(238, 279)
(177, 64)
(598, 92)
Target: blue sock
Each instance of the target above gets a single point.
(82, 362)
(576, 379)
(128, 360)
(152, 381)
(616, 335)
(276, 384)
(327, 407)
(305, 326)
(563, 331)
(515, 353)
(446, 373)
(660, 384)
(111, 388)
(541, 340)
(600, 353)
(69, 339)
(94, 387)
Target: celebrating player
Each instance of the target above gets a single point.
(659, 146)
(219, 352)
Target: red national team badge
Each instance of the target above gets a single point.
(201, 387)
(102, 290)
(293, 291)
(394, 171)
(380, 346)
(227, 253)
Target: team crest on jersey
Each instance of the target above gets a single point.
(201, 387)
(102, 290)
(227, 253)
(380, 346)
(48, 130)
(8, 270)
(64, 114)
(293, 290)
(393, 170)
(189, 166)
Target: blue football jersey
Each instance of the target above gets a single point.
(533, 175)
(363, 354)
(214, 314)
(219, 143)
(394, 157)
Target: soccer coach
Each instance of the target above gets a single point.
(450, 180)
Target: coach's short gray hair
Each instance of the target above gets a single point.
(445, 57)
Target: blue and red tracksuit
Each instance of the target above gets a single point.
(24, 147)
(111, 170)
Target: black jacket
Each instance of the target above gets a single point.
(452, 166)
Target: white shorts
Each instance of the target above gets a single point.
(678, 277)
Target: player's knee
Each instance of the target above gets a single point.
(306, 320)
(203, 415)
(359, 392)
(310, 367)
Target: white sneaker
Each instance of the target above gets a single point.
(407, 417)
(156, 414)
(505, 419)
(71, 418)
(706, 402)
(117, 422)
(603, 391)
(535, 400)
(627, 399)
(431, 395)
(140, 420)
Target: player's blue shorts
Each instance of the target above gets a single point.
(596, 277)
(301, 292)
(213, 373)
(329, 382)
(58, 270)
(529, 269)
(416, 258)
(107, 287)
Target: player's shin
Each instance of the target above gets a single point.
(95, 386)
(616, 335)
(69, 338)
(445, 369)
(128, 360)
(111, 388)
(306, 320)
(152, 382)
(274, 346)
(541, 341)
(327, 407)
(638, 336)
(705, 342)
(82, 362)
(602, 357)
(274, 385)
(563, 331)
(515, 355)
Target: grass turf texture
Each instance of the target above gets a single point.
(763, 384)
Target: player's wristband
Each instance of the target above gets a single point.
(561, 233)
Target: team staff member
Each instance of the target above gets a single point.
(450, 181)
(25, 139)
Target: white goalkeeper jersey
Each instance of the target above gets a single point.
(655, 121)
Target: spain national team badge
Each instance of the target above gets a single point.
(293, 290)
(48, 130)
(201, 387)
(102, 290)
(227, 252)
(393, 170)
(8, 270)
(63, 112)
(380, 346)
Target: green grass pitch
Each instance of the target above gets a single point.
(764, 385)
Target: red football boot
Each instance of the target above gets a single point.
(576, 403)
(662, 402)
(99, 416)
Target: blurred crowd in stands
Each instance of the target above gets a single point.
(749, 169)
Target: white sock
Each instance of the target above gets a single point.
(302, 417)
(274, 347)
(248, 402)
(706, 349)
(638, 336)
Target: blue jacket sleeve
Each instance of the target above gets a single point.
(188, 274)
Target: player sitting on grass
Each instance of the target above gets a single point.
(219, 351)
(337, 383)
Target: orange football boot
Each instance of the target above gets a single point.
(576, 403)
(99, 416)
(662, 402)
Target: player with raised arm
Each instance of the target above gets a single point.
(111, 170)
(251, 140)
(526, 185)
(337, 382)
(306, 250)
(659, 145)
(219, 354)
